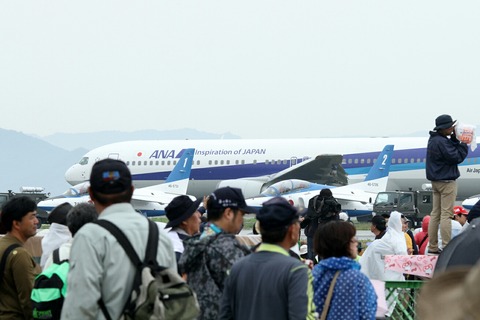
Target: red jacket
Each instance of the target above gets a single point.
(421, 238)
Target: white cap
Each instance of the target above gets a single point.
(343, 216)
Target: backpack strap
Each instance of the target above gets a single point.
(56, 256)
(150, 252)
(7, 251)
(326, 305)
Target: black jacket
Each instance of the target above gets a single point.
(443, 157)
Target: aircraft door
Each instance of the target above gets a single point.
(114, 156)
(293, 161)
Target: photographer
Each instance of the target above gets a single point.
(321, 209)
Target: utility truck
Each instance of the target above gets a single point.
(35, 193)
(413, 204)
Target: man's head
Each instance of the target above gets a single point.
(226, 207)
(278, 221)
(79, 215)
(378, 225)
(325, 193)
(444, 124)
(460, 214)
(182, 212)
(59, 214)
(19, 217)
(110, 182)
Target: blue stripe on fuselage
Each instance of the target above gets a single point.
(361, 167)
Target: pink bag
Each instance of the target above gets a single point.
(382, 307)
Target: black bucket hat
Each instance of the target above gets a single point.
(180, 209)
(444, 121)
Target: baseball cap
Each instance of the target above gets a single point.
(228, 197)
(110, 176)
(276, 213)
(460, 210)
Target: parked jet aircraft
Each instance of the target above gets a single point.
(471, 201)
(151, 201)
(356, 199)
(218, 160)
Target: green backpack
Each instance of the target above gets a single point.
(49, 289)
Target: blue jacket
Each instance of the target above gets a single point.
(443, 157)
(353, 294)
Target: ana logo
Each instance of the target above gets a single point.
(139, 154)
(164, 154)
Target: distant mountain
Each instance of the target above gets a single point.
(41, 162)
(91, 140)
(29, 161)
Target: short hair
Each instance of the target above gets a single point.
(274, 236)
(79, 215)
(109, 199)
(332, 239)
(15, 209)
(59, 214)
(380, 223)
(214, 213)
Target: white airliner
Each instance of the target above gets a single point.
(216, 160)
(356, 199)
(151, 201)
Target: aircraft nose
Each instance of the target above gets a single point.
(75, 175)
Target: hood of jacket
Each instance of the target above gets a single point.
(425, 223)
(342, 263)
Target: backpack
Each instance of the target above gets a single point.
(158, 292)
(49, 289)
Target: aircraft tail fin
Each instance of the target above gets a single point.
(177, 180)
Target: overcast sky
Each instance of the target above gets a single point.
(257, 69)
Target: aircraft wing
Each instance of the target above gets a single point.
(323, 169)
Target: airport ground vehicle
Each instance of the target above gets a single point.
(413, 204)
(35, 193)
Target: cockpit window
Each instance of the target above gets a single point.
(83, 161)
(286, 186)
